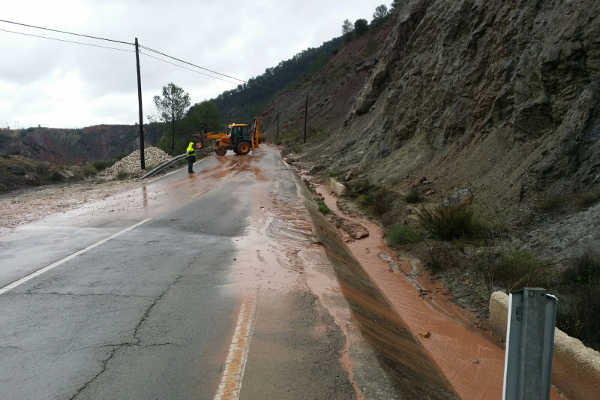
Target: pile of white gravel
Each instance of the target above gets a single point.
(130, 165)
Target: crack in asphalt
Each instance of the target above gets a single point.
(13, 348)
(137, 342)
(102, 370)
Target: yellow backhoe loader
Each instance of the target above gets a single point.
(241, 138)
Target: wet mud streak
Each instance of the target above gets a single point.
(462, 353)
(271, 255)
(416, 375)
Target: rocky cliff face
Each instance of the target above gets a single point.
(101, 142)
(500, 96)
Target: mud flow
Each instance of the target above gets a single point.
(418, 312)
(291, 258)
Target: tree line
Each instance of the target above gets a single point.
(180, 121)
(360, 26)
(241, 104)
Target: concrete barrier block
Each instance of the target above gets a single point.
(575, 367)
(338, 188)
(499, 314)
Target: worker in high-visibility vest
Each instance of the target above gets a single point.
(191, 157)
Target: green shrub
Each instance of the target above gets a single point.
(551, 203)
(88, 170)
(373, 199)
(55, 176)
(585, 270)
(359, 186)
(121, 175)
(399, 234)
(577, 315)
(518, 268)
(588, 199)
(454, 222)
(414, 196)
(440, 258)
(365, 201)
(323, 208)
(102, 164)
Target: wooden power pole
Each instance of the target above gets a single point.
(277, 126)
(139, 87)
(305, 117)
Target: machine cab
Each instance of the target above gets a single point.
(239, 133)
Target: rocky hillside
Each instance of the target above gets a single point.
(499, 96)
(495, 99)
(67, 146)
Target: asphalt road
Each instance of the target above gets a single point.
(210, 286)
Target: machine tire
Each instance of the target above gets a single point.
(221, 151)
(243, 148)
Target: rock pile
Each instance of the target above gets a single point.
(130, 165)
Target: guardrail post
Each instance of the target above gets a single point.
(529, 345)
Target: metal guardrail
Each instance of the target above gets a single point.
(529, 345)
(163, 165)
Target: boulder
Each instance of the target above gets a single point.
(459, 197)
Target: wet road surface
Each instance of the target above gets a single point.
(210, 286)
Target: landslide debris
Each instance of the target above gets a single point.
(129, 166)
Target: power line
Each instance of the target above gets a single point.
(115, 48)
(68, 41)
(192, 64)
(186, 68)
(66, 32)
(109, 40)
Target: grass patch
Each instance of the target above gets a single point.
(101, 165)
(399, 234)
(585, 270)
(588, 199)
(88, 170)
(122, 175)
(55, 177)
(559, 202)
(440, 258)
(579, 299)
(414, 196)
(516, 268)
(323, 209)
(375, 200)
(577, 315)
(454, 222)
(334, 173)
(551, 203)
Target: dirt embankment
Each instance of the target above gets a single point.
(65, 187)
(499, 99)
(502, 98)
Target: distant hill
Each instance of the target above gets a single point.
(69, 146)
(248, 100)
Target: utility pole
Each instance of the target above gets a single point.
(305, 117)
(277, 126)
(139, 85)
(173, 133)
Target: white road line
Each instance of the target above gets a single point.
(233, 374)
(47, 268)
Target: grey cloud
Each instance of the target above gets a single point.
(237, 37)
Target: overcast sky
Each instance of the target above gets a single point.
(55, 84)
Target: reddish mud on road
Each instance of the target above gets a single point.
(221, 284)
